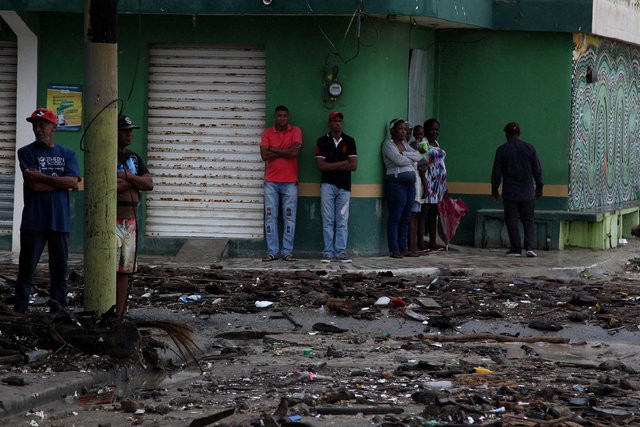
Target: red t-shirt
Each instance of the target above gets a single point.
(281, 169)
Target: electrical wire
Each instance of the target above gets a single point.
(86, 128)
(357, 15)
(349, 26)
(335, 49)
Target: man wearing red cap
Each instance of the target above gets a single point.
(336, 157)
(49, 172)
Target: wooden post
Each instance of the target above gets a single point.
(101, 150)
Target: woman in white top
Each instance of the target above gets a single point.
(399, 187)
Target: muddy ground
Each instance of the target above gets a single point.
(327, 349)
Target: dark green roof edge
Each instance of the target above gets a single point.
(543, 15)
(529, 15)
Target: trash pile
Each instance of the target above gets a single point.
(379, 349)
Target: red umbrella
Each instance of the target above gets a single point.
(449, 212)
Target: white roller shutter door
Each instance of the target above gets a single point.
(206, 112)
(8, 76)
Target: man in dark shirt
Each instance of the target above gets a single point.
(516, 164)
(132, 178)
(336, 158)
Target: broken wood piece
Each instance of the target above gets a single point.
(210, 419)
(14, 380)
(14, 358)
(244, 335)
(291, 319)
(355, 410)
(325, 327)
(493, 337)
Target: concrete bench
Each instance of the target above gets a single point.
(599, 228)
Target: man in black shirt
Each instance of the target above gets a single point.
(336, 157)
(516, 164)
(132, 178)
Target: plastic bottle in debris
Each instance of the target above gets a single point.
(439, 385)
(191, 298)
(36, 355)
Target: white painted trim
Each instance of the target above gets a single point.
(617, 19)
(26, 99)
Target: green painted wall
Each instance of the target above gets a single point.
(374, 76)
(478, 80)
(486, 79)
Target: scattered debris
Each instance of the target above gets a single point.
(446, 372)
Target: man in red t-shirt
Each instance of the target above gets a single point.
(279, 147)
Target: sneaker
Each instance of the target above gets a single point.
(514, 253)
(326, 258)
(343, 257)
(531, 253)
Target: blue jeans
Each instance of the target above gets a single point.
(334, 205)
(276, 193)
(399, 197)
(31, 247)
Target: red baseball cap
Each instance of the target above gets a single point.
(335, 114)
(43, 114)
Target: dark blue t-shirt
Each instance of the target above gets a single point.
(47, 210)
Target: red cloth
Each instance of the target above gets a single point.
(449, 212)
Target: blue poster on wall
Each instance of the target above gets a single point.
(66, 102)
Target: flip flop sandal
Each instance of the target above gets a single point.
(269, 258)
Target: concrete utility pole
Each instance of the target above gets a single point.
(101, 151)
